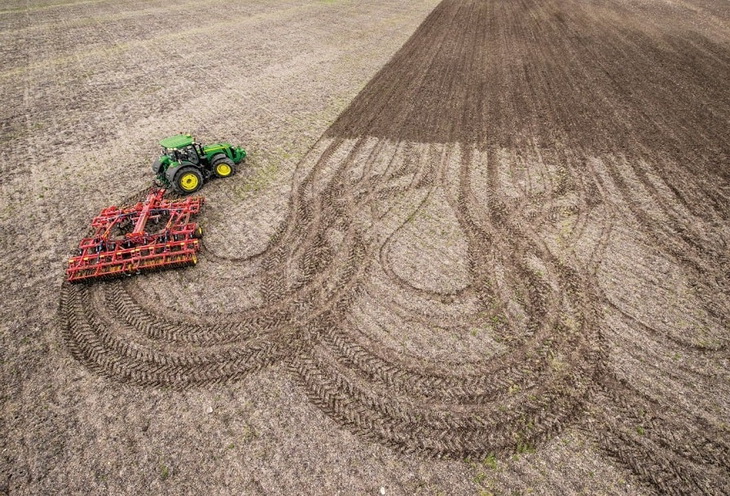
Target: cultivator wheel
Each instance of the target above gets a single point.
(151, 235)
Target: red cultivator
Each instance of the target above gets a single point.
(153, 234)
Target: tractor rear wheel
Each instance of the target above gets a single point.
(223, 167)
(188, 180)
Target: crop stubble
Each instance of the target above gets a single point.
(580, 150)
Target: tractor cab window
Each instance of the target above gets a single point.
(172, 153)
(199, 149)
(188, 154)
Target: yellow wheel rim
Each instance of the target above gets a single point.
(189, 181)
(223, 169)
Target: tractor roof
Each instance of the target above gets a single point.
(177, 141)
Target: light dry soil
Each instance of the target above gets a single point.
(479, 247)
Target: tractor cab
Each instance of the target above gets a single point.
(182, 148)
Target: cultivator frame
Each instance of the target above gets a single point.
(129, 240)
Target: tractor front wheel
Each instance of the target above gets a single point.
(188, 180)
(223, 167)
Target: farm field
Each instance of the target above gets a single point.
(478, 247)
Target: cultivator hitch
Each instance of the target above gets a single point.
(153, 234)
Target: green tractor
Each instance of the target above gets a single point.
(185, 164)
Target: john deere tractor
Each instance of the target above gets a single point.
(185, 164)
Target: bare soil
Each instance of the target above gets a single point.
(478, 248)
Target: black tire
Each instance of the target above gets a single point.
(223, 166)
(188, 180)
(156, 166)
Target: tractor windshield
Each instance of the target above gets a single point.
(172, 153)
(187, 154)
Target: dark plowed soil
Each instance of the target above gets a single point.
(597, 77)
(519, 226)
